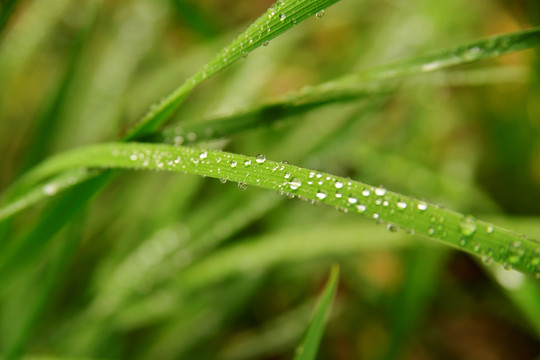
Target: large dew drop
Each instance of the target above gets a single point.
(468, 226)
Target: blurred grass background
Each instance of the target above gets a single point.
(161, 266)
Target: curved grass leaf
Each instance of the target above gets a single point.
(301, 102)
(310, 345)
(490, 47)
(398, 211)
(282, 16)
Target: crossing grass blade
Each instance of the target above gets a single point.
(398, 211)
(282, 16)
(310, 345)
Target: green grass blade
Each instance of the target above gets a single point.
(282, 16)
(490, 47)
(310, 345)
(301, 102)
(397, 210)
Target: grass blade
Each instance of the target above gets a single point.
(397, 210)
(282, 16)
(310, 345)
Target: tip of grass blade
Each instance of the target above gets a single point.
(310, 345)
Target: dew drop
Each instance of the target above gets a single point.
(376, 216)
(247, 162)
(361, 208)
(490, 228)
(468, 226)
(422, 206)
(242, 186)
(392, 227)
(366, 192)
(203, 155)
(266, 43)
(321, 195)
(133, 157)
(380, 191)
(320, 14)
(401, 205)
(295, 184)
(338, 185)
(287, 175)
(282, 16)
(223, 181)
(352, 200)
(50, 189)
(260, 159)
(234, 163)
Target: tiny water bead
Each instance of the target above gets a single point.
(282, 16)
(234, 163)
(321, 195)
(402, 205)
(320, 14)
(50, 189)
(422, 206)
(295, 184)
(203, 155)
(468, 226)
(338, 185)
(380, 191)
(260, 159)
(366, 192)
(352, 200)
(242, 186)
(361, 208)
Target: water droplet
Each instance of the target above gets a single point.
(361, 208)
(265, 43)
(339, 196)
(431, 231)
(260, 159)
(366, 192)
(223, 181)
(380, 191)
(392, 227)
(468, 226)
(50, 189)
(338, 185)
(488, 260)
(245, 54)
(247, 162)
(242, 186)
(287, 175)
(321, 195)
(234, 163)
(401, 205)
(133, 157)
(203, 155)
(490, 228)
(282, 16)
(375, 216)
(422, 206)
(515, 252)
(320, 14)
(295, 184)
(352, 200)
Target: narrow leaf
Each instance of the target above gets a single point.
(310, 345)
(282, 16)
(397, 210)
